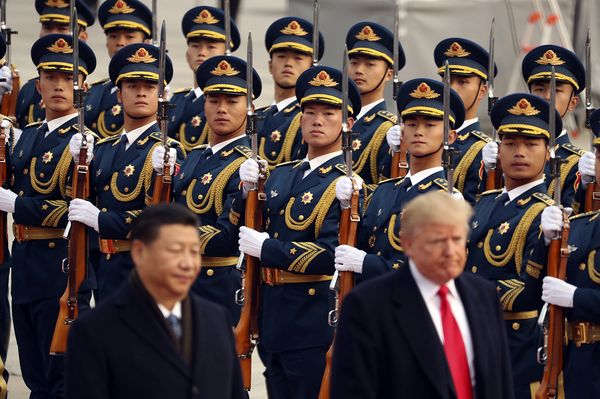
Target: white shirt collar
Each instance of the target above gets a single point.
(133, 135)
(366, 108)
(321, 159)
(517, 191)
(422, 175)
(58, 122)
(467, 123)
(198, 92)
(176, 310)
(428, 288)
(284, 103)
(217, 147)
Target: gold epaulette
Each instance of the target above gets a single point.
(480, 135)
(391, 179)
(339, 166)
(33, 124)
(443, 183)
(244, 150)
(184, 90)
(488, 192)
(292, 108)
(108, 139)
(97, 82)
(389, 116)
(546, 199)
(296, 161)
(572, 148)
(199, 147)
(87, 131)
(170, 141)
(581, 215)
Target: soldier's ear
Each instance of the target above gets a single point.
(85, 87)
(389, 74)
(350, 122)
(452, 136)
(119, 98)
(37, 85)
(483, 89)
(574, 101)
(83, 35)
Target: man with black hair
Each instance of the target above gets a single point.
(154, 321)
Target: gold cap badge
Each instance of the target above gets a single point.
(367, 33)
(294, 28)
(121, 7)
(205, 17)
(549, 58)
(224, 69)
(142, 55)
(424, 91)
(323, 79)
(57, 4)
(456, 50)
(61, 46)
(523, 107)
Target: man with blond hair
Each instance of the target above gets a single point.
(427, 330)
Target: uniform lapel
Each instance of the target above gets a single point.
(53, 138)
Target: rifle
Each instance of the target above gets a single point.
(551, 354)
(400, 156)
(162, 181)
(592, 198)
(227, 11)
(246, 331)
(449, 152)
(9, 100)
(315, 33)
(494, 174)
(5, 129)
(154, 23)
(75, 265)
(342, 282)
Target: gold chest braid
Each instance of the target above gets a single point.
(286, 148)
(58, 176)
(144, 180)
(371, 150)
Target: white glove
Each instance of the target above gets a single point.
(345, 187)
(394, 137)
(6, 125)
(250, 172)
(349, 259)
(490, 154)
(158, 159)
(84, 212)
(7, 200)
(587, 167)
(552, 221)
(5, 86)
(558, 292)
(251, 241)
(75, 147)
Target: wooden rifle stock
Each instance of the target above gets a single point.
(494, 178)
(400, 162)
(558, 255)
(9, 100)
(591, 203)
(162, 185)
(246, 331)
(76, 262)
(347, 236)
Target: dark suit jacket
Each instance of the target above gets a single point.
(121, 350)
(387, 346)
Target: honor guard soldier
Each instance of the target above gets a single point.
(54, 18)
(420, 104)
(570, 81)
(204, 27)
(371, 48)
(506, 246)
(289, 42)
(124, 22)
(296, 250)
(40, 163)
(209, 181)
(204, 30)
(469, 63)
(580, 293)
(121, 172)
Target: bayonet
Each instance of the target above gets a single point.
(250, 114)
(554, 159)
(491, 69)
(154, 23)
(315, 33)
(6, 31)
(163, 102)
(448, 152)
(78, 92)
(588, 82)
(227, 27)
(397, 82)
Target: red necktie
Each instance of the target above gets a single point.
(454, 346)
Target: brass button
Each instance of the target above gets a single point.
(378, 253)
(21, 193)
(42, 174)
(104, 209)
(498, 247)
(107, 256)
(273, 153)
(51, 244)
(112, 126)
(200, 196)
(385, 231)
(374, 229)
(312, 291)
(184, 192)
(193, 138)
(276, 235)
(301, 217)
(210, 272)
(106, 188)
(480, 244)
(516, 326)
(281, 212)
(474, 269)
(582, 266)
(126, 189)
(25, 171)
